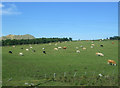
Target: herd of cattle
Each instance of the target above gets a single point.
(111, 62)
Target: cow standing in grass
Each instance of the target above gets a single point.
(44, 52)
(81, 46)
(64, 47)
(21, 54)
(101, 45)
(112, 42)
(10, 52)
(91, 46)
(112, 62)
(77, 51)
(27, 49)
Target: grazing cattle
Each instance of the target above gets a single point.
(112, 42)
(81, 46)
(92, 44)
(64, 47)
(76, 47)
(84, 48)
(44, 52)
(13, 46)
(101, 45)
(100, 75)
(21, 54)
(99, 54)
(27, 49)
(31, 47)
(55, 48)
(43, 48)
(112, 62)
(10, 52)
(59, 47)
(77, 51)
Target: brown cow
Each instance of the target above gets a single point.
(112, 62)
(64, 47)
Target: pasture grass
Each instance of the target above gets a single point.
(39, 68)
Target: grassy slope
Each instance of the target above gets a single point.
(33, 66)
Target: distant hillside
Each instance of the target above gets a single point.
(27, 36)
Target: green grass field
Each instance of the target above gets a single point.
(71, 68)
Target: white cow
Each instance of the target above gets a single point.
(76, 47)
(13, 46)
(59, 47)
(77, 51)
(43, 48)
(21, 54)
(84, 48)
(27, 49)
(91, 46)
(55, 48)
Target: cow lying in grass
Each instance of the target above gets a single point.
(92, 44)
(84, 48)
(55, 48)
(112, 62)
(13, 46)
(59, 47)
(64, 47)
(99, 54)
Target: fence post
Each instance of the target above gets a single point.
(75, 74)
(54, 75)
(64, 74)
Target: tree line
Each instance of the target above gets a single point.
(115, 38)
(32, 41)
